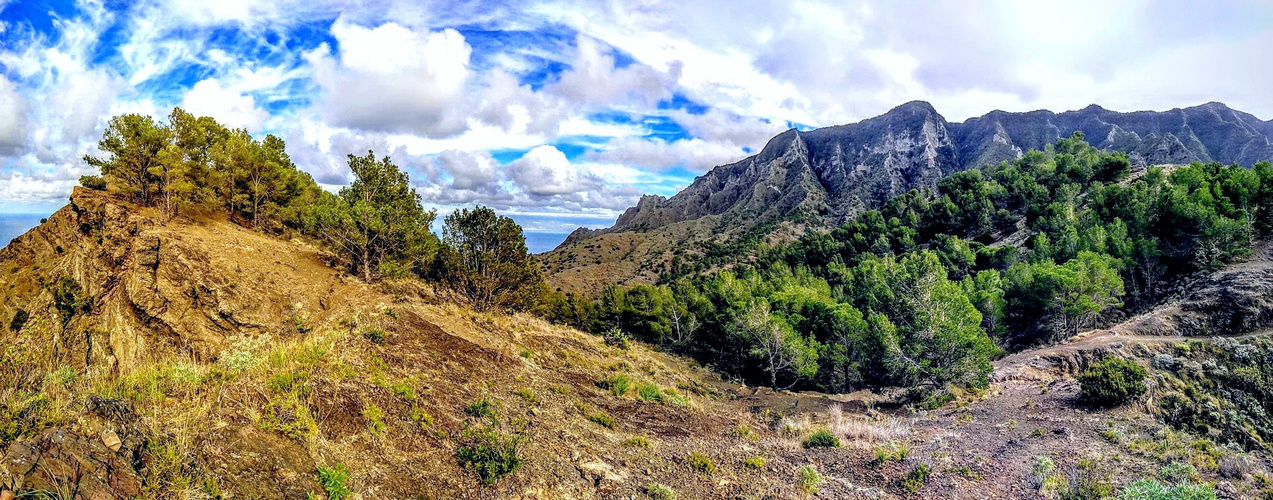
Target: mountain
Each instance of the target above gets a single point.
(824, 176)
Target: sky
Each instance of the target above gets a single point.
(563, 113)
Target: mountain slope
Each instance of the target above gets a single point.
(823, 177)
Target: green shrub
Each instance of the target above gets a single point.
(637, 442)
(618, 384)
(1149, 489)
(741, 431)
(96, 183)
(602, 418)
(660, 492)
(916, 478)
(404, 391)
(527, 395)
(375, 418)
(1112, 382)
(1086, 481)
(700, 462)
(480, 408)
(615, 337)
(375, 335)
(808, 480)
(650, 393)
(756, 462)
(418, 415)
(490, 454)
(1177, 472)
(822, 438)
(334, 481)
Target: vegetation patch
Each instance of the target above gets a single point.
(700, 462)
(821, 438)
(490, 454)
(335, 481)
(1112, 382)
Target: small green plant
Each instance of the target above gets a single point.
(1087, 480)
(1177, 472)
(615, 337)
(1042, 467)
(334, 481)
(618, 384)
(1039, 432)
(700, 462)
(375, 418)
(741, 431)
(375, 335)
(660, 492)
(1112, 382)
(481, 408)
(822, 438)
(808, 480)
(418, 415)
(893, 450)
(756, 462)
(1149, 489)
(559, 389)
(649, 393)
(916, 478)
(490, 454)
(64, 376)
(602, 418)
(404, 391)
(527, 354)
(637, 442)
(527, 395)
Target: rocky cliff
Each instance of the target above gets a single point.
(836, 172)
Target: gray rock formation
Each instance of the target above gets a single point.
(836, 172)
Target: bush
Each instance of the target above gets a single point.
(602, 418)
(527, 395)
(375, 418)
(618, 384)
(1149, 489)
(650, 393)
(916, 478)
(660, 492)
(1112, 382)
(615, 337)
(637, 442)
(808, 479)
(334, 480)
(701, 462)
(1177, 472)
(375, 335)
(1087, 481)
(489, 454)
(481, 408)
(756, 462)
(94, 182)
(822, 438)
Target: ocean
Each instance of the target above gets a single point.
(538, 242)
(13, 225)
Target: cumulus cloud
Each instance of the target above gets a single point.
(232, 109)
(594, 80)
(394, 79)
(696, 155)
(545, 171)
(13, 110)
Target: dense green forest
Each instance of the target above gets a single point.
(922, 293)
(925, 291)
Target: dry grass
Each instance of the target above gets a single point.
(866, 430)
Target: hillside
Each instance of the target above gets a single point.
(825, 176)
(198, 359)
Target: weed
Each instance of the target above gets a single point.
(417, 414)
(480, 408)
(618, 384)
(404, 391)
(375, 418)
(808, 480)
(334, 481)
(756, 462)
(559, 389)
(893, 450)
(490, 454)
(821, 438)
(1086, 480)
(602, 418)
(660, 492)
(649, 393)
(375, 335)
(1177, 472)
(700, 462)
(637, 442)
(916, 478)
(1038, 432)
(527, 354)
(527, 395)
(741, 431)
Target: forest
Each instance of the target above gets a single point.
(924, 292)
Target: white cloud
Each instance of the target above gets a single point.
(545, 171)
(696, 155)
(594, 80)
(13, 123)
(393, 79)
(232, 109)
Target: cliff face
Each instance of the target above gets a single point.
(836, 172)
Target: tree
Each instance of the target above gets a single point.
(779, 347)
(485, 261)
(376, 223)
(134, 143)
(1088, 285)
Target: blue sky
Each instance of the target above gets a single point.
(563, 113)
